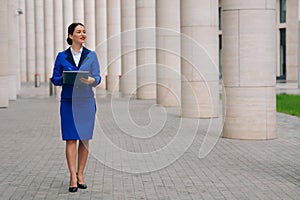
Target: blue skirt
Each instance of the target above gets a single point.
(77, 118)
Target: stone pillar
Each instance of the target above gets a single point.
(291, 40)
(22, 41)
(249, 69)
(79, 10)
(89, 16)
(113, 44)
(128, 28)
(199, 61)
(13, 49)
(3, 55)
(298, 49)
(49, 38)
(59, 37)
(146, 53)
(30, 39)
(168, 52)
(67, 18)
(101, 38)
(4, 91)
(39, 40)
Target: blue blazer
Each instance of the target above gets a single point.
(65, 62)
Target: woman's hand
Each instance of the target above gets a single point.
(88, 81)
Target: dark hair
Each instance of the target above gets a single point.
(71, 30)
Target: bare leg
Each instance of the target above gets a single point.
(82, 158)
(71, 159)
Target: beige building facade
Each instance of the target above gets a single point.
(172, 51)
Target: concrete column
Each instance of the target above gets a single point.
(13, 49)
(78, 10)
(249, 68)
(101, 39)
(59, 37)
(146, 53)
(49, 38)
(199, 61)
(168, 52)
(67, 18)
(22, 41)
(4, 91)
(30, 39)
(4, 96)
(113, 44)
(291, 41)
(298, 56)
(40, 40)
(128, 28)
(89, 16)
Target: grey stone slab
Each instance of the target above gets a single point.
(33, 164)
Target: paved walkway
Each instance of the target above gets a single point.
(153, 154)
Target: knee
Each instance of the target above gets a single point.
(71, 142)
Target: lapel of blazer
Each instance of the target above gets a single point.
(83, 56)
(69, 57)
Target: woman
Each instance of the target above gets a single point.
(77, 104)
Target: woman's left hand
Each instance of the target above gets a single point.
(88, 81)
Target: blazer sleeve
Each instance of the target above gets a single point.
(95, 70)
(57, 76)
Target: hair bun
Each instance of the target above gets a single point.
(69, 41)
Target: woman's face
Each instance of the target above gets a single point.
(79, 35)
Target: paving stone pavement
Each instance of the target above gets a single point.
(153, 154)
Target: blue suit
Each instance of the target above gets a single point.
(77, 105)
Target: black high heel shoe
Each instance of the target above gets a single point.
(73, 189)
(81, 186)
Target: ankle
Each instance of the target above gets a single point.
(80, 178)
(73, 182)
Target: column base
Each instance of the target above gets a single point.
(200, 99)
(146, 92)
(249, 113)
(166, 97)
(12, 87)
(112, 83)
(4, 92)
(128, 85)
